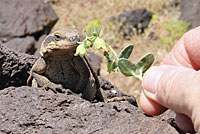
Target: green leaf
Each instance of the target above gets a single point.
(145, 63)
(94, 31)
(98, 30)
(126, 52)
(85, 33)
(126, 67)
(93, 38)
(110, 55)
(110, 65)
(114, 67)
(94, 34)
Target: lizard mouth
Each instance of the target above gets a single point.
(61, 47)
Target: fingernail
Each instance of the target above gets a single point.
(151, 79)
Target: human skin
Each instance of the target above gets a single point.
(175, 84)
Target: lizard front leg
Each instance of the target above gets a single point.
(43, 82)
(86, 85)
(101, 96)
(36, 79)
(39, 67)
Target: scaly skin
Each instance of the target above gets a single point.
(59, 70)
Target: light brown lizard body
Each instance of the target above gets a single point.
(58, 69)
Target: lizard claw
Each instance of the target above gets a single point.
(56, 88)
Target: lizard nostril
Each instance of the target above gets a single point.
(75, 38)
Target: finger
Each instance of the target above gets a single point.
(186, 52)
(177, 88)
(151, 107)
(184, 123)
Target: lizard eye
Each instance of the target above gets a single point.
(57, 37)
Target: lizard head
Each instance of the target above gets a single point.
(60, 43)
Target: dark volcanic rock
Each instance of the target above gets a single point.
(24, 45)
(38, 44)
(138, 19)
(112, 91)
(22, 18)
(175, 3)
(33, 110)
(25, 17)
(14, 67)
(190, 12)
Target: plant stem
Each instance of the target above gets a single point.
(138, 77)
(111, 49)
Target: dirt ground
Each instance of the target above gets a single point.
(79, 13)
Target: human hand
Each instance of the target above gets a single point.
(176, 83)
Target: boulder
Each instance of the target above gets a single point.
(14, 67)
(137, 18)
(34, 110)
(190, 12)
(23, 45)
(38, 44)
(25, 18)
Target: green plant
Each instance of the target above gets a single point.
(115, 62)
(175, 29)
(95, 23)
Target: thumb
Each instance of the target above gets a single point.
(176, 88)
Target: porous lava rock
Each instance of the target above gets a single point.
(34, 110)
(14, 67)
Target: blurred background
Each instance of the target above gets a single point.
(152, 26)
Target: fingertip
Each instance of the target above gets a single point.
(151, 78)
(150, 107)
(184, 123)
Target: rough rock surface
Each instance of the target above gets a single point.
(20, 19)
(190, 12)
(24, 45)
(14, 67)
(138, 19)
(33, 110)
